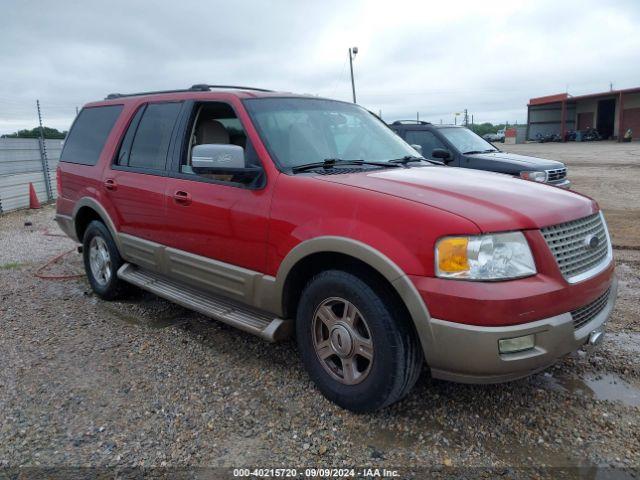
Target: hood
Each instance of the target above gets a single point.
(519, 161)
(493, 201)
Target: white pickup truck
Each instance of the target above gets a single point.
(494, 137)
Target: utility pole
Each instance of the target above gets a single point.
(418, 117)
(352, 54)
(43, 156)
(466, 118)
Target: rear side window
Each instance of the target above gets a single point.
(89, 133)
(152, 137)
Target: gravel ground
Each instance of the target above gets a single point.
(143, 382)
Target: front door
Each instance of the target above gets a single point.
(428, 141)
(218, 217)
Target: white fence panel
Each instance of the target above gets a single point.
(21, 164)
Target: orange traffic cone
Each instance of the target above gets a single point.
(33, 198)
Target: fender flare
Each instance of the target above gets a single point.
(372, 257)
(102, 213)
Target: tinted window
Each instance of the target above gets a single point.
(125, 148)
(151, 142)
(426, 140)
(89, 134)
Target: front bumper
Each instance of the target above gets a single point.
(469, 353)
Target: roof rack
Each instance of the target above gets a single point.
(200, 87)
(417, 122)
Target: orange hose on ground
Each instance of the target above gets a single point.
(51, 262)
(46, 233)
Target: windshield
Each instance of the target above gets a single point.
(466, 141)
(299, 131)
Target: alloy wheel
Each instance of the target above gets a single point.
(342, 341)
(100, 261)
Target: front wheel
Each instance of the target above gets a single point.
(355, 342)
(102, 261)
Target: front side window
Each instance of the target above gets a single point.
(298, 131)
(466, 141)
(427, 140)
(216, 124)
(89, 133)
(150, 137)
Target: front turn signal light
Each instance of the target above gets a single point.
(452, 255)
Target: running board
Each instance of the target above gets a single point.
(244, 318)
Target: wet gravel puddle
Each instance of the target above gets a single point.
(608, 386)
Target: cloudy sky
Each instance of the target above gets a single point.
(433, 57)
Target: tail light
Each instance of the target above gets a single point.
(58, 181)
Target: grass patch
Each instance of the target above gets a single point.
(9, 266)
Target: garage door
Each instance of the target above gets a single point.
(585, 120)
(631, 119)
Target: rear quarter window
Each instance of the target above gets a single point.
(89, 133)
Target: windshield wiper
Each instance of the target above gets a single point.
(472, 152)
(332, 162)
(411, 158)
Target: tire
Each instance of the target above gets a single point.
(355, 342)
(98, 241)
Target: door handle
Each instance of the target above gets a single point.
(110, 184)
(181, 197)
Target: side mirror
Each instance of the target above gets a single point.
(417, 148)
(222, 159)
(216, 157)
(442, 154)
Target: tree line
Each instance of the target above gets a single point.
(35, 133)
(484, 128)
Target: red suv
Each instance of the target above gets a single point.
(279, 213)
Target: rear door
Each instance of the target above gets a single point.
(136, 181)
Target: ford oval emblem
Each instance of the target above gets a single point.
(591, 242)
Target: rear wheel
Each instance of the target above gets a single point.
(101, 261)
(355, 343)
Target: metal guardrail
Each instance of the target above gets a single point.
(20, 164)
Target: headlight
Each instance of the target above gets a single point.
(534, 176)
(499, 256)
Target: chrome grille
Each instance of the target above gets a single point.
(584, 315)
(556, 174)
(567, 243)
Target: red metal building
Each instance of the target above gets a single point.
(612, 113)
